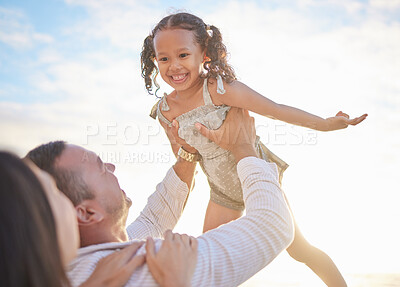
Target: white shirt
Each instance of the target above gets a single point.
(227, 255)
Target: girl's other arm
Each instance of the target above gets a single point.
(239, 95)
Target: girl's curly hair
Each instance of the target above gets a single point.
(208, 37)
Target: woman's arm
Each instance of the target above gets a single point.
(239, 95)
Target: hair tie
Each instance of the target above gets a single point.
(209, 31)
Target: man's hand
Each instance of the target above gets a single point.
(237, 134)
(184, 169)
(116, 269)
(174, 263)
(175, 140)
(174, 131)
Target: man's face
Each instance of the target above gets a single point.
(100, 179)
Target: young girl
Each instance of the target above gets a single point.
(191, 58)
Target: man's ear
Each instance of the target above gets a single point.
(88, 213)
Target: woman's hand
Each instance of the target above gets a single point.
(116, 269)
(342, 121)
(175, 262)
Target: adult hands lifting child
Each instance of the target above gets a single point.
(237, 134)
(175, 140)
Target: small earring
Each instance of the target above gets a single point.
(209, 31)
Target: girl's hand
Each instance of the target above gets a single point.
(175, 262)
(115, 269)
(342, 120)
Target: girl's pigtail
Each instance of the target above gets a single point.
(149, 69)
(217, 53)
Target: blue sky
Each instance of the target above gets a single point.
(58, 20)
(71, 70)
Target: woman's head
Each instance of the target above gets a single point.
(63, 212)
(28, 232)
(208, 39)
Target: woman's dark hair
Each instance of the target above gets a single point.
(209, 42)
(29, 251)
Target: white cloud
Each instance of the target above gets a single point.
(49, 56)
(123, 23)
(102, 79)
(16, 40)
(385, 4)
(16, 32)
(349, 6)
(43, 38)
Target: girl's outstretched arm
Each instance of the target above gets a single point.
(239, 95)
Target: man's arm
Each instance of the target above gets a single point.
(164, 207)
(184, 169)
(232, 253)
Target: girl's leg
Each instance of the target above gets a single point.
(317, 260)
(217, 215)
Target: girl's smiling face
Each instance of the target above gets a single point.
(179, 58)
